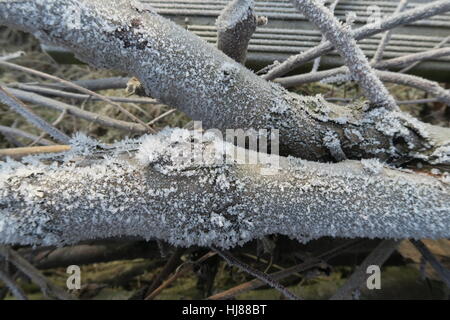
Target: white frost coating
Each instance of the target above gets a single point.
(154, 195)
(341, 36)
(235, 12)
(372, 166)
(331, 141)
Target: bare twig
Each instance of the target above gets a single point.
(71, 95)
(77, 87)
(11, 56)
(47, 288)
(413, 65)
(77, 112)
(91, 84)
(18, 153)
(165, 114)
(342, 38)
(23, 134)
(377, 257)
(279, 275)
(267, 279)
(408, 16)
(171, 265)
(378, 56)
(443, 272)
(181, 271)
(54, 123)
(12, 286)
(16, 105)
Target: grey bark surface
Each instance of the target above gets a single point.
(235, 26)
(156, 194)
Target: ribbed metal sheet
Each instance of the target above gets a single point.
(284, 11)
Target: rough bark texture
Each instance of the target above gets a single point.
(159, 193)
(183, 71)
(235, 26)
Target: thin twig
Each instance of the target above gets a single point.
(378, 56)
(342, 38)
(77, 112)
(91, 84)
(443, 272)
(171, 265)
(12, 56)
(386, 64)
(47, 288)
(165, 114)
(406, 17)
(79, 88)
(17, 105)
(279, 275)
(23, 134)
(377, 257)
(54, 123)
(12, 286)
(429, 86)
(413, 65)
(267, 279)
(18, 153)
(71, 95)
(181, 271)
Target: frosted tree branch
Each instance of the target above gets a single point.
(408, 16)
(388, 34)
(18, 107)
(183, 71)
(316, 63)
(157, 193)
(386, 64)
(235, 26)
(342, 38)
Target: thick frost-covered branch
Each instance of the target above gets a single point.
(183, 71)
(179, 188)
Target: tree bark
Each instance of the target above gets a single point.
(158, 193)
